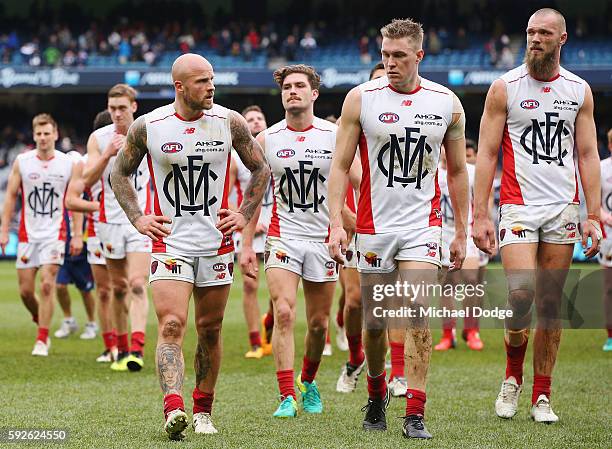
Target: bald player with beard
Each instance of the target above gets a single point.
(188, 148)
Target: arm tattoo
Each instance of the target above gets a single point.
(252, 157)
(202, 362)
(126, 164)
(171, 368)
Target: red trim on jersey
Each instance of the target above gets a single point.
(437, 91)
(377, 88)
(159, 246)
(520, 77)
(365, 219)
(192, 120)
(567, 79)
(63, 232)
(23, 232)
(274, 228)
(435, 214)
(576, 195)
(510, 192)
(147, 210)
(227, 243)
(350, 198)
(548, 80)
(160, 119)
(239, 193)
(327, 236)
(91, 230)
(277, 131)
(102, 214)
(300, 130)
(44, 160)
(412, 92)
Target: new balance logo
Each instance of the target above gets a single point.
(300, 138)
(189, 131)
(546, 90)
(407, 103)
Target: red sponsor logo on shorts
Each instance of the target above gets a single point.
(331, 272)
(109, 247)
(571, 235)
(220, 276)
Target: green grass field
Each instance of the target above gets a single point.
(100, 408)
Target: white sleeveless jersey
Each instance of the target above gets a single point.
(300, 163)
(189, 163)
(110, 210)
(538, 140)
(400, 148)
(243, 177)
(94, 193)
(43, 186)
(448, 215)
(606, 190)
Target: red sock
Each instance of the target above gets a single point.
(255, 339)
(377, 386)
(327, 338)
(397, 359)
(541, 385)
(122, 342)
(109, 340)
(340, 318)
(515, 356)
(43, 334)
(172, 402)
(609, 330)
(285, 383)
(202, 402)
(138, 341)
(447, 333)
(356, 355)
(309, 369)
(269, 321)
(415, 402)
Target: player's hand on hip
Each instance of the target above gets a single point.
(248, 262)
(337, 244)
(76, 245)
(153, 226)
(230, 221)
(483, 234)
(591, 228)
(457, 252)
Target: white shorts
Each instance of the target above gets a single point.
(379, 253)
(605, 252)
(350, 258)
(259, 242)
(448, 235)
(94, 251)
(555, 223)
(202, 271)
(309, 260)
(119, 239)
(34, 255)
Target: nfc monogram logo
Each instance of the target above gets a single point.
(134, 177)
(546, 141)
(408, 157)
(302, 192)
(446, 208)
(190, 181)
(43, 200)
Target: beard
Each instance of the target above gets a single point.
(194, 103)
(541, 66)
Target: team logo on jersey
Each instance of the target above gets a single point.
(300, 138)
(371, 259)
(403, 159)
(299, 187)
(44, 200)
(407, 103)
(329, 265)
(542, 140)
(388, 117)
(172, 147)
(219, 267)
(154, 266)
(286, 153)
(33, 176)
(282, 256)
(530, 104)
(546, 89)
(187, 187)
(189, 131)
(172, 266)
(519, 232)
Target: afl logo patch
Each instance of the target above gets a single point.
(218, 267)
(286, 153)
(172, 147)
(388, 117)
(330, 265)
(530, 104)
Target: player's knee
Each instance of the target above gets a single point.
(46, 287)
(352, 296)
(172, 328)
(317, 325)
(137, 286)
(249, 285)
(104, 294)
(27, 293)
(209, 329)
(120, 288)
(375, 334)
(520, 300)
(284, 315)
(548, 307)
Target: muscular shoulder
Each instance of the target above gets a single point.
(24, 157)
(514, 75)
(435, 88)
(159, 114)
(104, 131)
(372, 86)
(324, 125)
(276, 128)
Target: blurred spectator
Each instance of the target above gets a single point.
(51, 55)
(125, 51)
(289, 48)
(225, 42)
(235, 49)
(308, 43)
(461, 40)
(434, 44)
(247, 49)
(364, 50)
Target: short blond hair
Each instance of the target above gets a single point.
(44, 119)
(407, 28)
(314, 79)
(122, 90)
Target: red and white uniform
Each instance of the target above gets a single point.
(299, 226)
(350, 258)
(117, 234)
(95, 254)
(398, 215)
(243, 178)
(42, 228)
(448, 215)
(189, 163)
(605, 252)
(539, 189)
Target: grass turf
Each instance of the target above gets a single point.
(100, 408)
